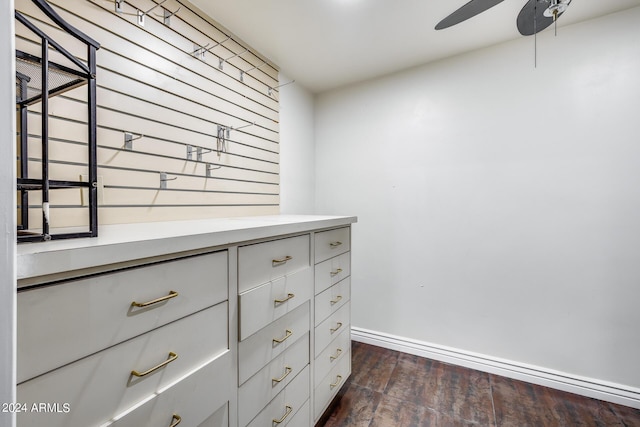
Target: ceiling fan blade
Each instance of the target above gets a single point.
(526, 23)
(469, 10)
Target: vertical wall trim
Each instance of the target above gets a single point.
(7, 212)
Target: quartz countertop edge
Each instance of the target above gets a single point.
(125, 242)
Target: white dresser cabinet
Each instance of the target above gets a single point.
(239, 322)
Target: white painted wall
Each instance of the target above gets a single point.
(7, 212)
(297, 149)
(498, 204)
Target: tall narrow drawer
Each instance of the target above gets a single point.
(63, 323)
(102, 385)
(287, 404)
(331, 243)
(190, 400)
(330, 301)
(331, 384)
(263, 262)
(260, 348)
(332, 271)
(266, 303)
(271, 380)
(332, 355)
(329, 329)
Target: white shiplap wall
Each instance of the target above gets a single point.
(151, 85)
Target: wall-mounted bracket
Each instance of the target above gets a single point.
(141, 14)
(199, 51)
(242, 73)
(270, 91)
(163, 180)
(118, 5)
(166, 16)
(128, 140)
(200, 151)
(210, 168)
(189, 152)
(223, 60)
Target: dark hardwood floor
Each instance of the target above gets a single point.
(392, 389)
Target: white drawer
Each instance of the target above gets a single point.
(330, 384)
(329, 329)
(263, 262)
(254, 394)
(330, 301)
(332, 355)
(302, 417)
(260, 348)
(220, 418)
(190, 399)
(331, 243)
(331, 271)
(266, 303)
(102, 385)
(63, 323)
(287, 404)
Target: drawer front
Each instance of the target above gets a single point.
(99, 309)
(191, 398)
(330, 301)
(254, 394)
(263, 262)
(266, 303)
(331, 271)
(102, 385)
(331, 243)
(286, 406)
(331, 384)
(220, 418)
(302, 417)
(262, 347)
(329, 329)
(332, 355)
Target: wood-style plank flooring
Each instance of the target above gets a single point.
(392, 389)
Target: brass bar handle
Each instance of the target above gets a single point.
(280, 261)
(280, 301)
(335, 301)
(288, 333)
(172, 294)
(335, 244)
(287, 371)
(286, 414)
(336, 272)
(338, 353)
(172, 357)
(177, 418)
(338, 326)
(338, 379)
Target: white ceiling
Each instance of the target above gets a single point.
(324, 44)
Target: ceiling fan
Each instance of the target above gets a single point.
(535, 16)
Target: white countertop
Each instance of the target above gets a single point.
(124, 242)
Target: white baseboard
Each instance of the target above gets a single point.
(589, 387)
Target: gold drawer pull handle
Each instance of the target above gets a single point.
(338, 352)
(335, 244)
(336, 272)
(338, 379)
(338, 326)
(280, 261)
(172, 357)
(280, 301)
(287, 371)
(177, 419)
(284, 417)
(172, 294)
(335, 301)
(281, 340)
